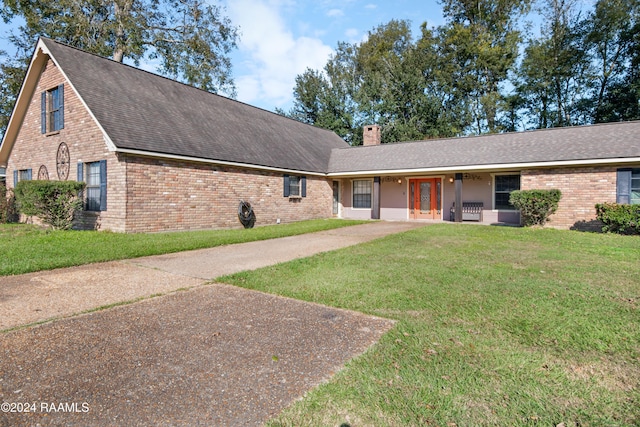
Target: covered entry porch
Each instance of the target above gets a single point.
(431, 197)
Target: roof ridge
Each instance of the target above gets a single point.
(493, 135)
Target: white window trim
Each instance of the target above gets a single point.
(353, 194)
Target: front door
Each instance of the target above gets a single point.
(425, 196)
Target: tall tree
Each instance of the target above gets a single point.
(189, 39)
(609, 36)
(481, 40)
(554, 75)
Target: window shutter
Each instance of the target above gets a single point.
(29, 175)
(15, 178)
(303, 186)
(623, 186)
(60, 106)
(287, 191)
(103, 185)
(43, 112)
(80, 172)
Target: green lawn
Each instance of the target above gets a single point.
(496, 326)
(26, 248)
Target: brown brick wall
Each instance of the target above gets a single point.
(581, 189)
(178, 195)
(86, 144)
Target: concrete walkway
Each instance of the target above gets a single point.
(212, 355)
(40, 296)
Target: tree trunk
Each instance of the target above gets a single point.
(121, 9)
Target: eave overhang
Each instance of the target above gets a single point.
(497, 167)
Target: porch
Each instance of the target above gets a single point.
(429, 197)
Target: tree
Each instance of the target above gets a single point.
(609, 36)
(481, 41)
(383, 80)
(554, 76)
(190, 39)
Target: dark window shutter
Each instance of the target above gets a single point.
(303, 186)
(623, 186)
(29, 174)
(60, 106)
(15, 178)
(43, 112)
(103, 185)
(80, 172)
(286, 191)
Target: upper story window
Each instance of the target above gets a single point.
(52, 109)
(504, 185)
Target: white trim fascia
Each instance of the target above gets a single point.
(215, 162)
(498, 166)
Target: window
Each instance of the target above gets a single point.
(21, 175)
(504, 185)
(95, 176)
(628, 186)
(52, 106)
(295, 186)
(362, 194)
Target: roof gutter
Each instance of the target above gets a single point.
(491, 167)
(214, 162)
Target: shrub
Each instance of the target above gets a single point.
(622, 219)
(4, 202)
(54, 202)
(536, 206)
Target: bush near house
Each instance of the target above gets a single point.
(8, 211)
(536, 206)
(622, 219)
(54, 202)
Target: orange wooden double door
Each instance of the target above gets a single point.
(425, 198)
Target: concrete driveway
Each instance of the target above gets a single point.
(209, 355)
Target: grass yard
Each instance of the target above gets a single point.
(496, 326)
(26, 248)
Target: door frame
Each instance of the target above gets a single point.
(411, 203)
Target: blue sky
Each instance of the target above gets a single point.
(282, 38)
(279, 39)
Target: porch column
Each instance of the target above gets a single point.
(375, 203)
(458, 214)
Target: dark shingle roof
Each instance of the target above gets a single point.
(569, 144)
(143, 111)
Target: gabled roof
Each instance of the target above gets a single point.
(583, 145)
(144, 113)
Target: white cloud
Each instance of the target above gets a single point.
(335, 13)
(271, 55)
(353, 34)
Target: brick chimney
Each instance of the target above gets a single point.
(371, 135)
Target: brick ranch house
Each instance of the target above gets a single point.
(158, 155)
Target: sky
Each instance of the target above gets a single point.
(280, 39)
